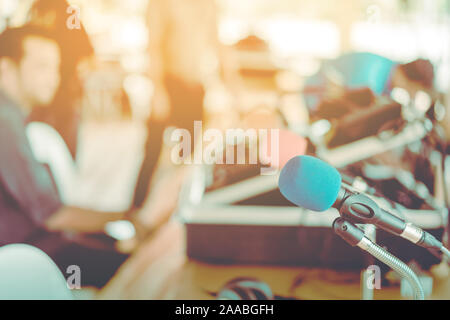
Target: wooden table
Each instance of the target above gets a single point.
(159, 269)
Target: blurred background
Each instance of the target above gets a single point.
(133, 70)
(273, 45)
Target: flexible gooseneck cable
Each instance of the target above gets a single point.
(396, 264)
(355, 237)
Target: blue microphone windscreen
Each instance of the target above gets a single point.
(310, 183)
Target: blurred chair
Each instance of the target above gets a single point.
(105, 173)
(27, 273)
(49, 148)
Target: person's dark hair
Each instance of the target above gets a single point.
(42, 7)
(420, 70)
(76, 44)
(12, 40)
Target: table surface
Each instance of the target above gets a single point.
(159, 269)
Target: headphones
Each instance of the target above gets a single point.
(245, 289)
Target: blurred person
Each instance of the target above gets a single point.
(31, 210)
(183, 48)
(64, 111)
(362, 69)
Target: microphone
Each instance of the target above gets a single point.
(313, 184)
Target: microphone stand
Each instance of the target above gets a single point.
(355, 237)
